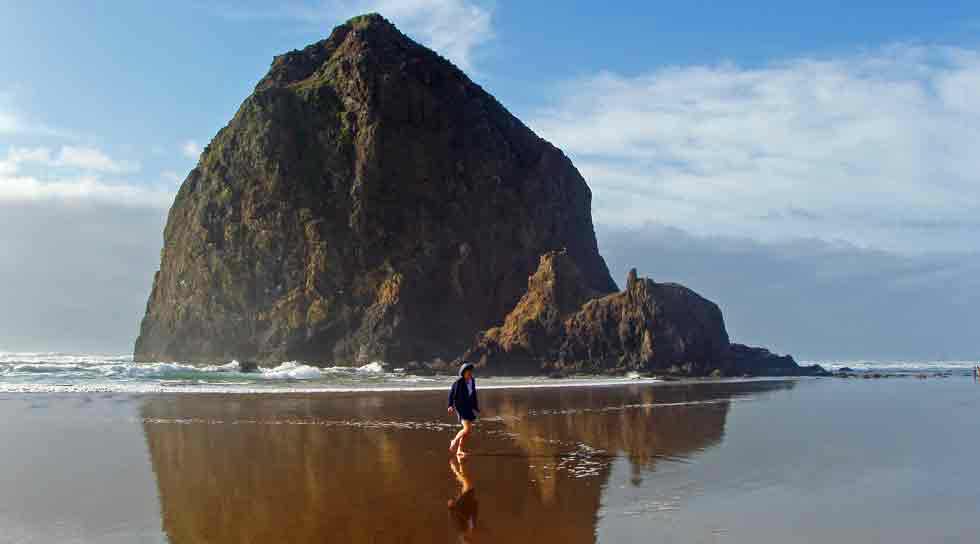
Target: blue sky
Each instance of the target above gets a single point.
(136, 74)
(834, 135)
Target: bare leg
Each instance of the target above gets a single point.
(454, 445)
(462, 436)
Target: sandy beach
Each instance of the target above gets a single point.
(761, 461)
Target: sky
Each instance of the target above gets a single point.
(811, 168)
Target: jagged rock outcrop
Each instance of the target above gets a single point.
(561, 326)
(531, 329)
(753, 361)
(367, 201)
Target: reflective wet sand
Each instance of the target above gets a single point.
(770, 461)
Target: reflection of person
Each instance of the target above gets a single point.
(464, 508)
(463, 401)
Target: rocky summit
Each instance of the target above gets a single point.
(368, 201)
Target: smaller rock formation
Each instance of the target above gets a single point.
(525, 343)
(752, 361)
(561, 326)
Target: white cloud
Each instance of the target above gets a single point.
(90, 158)
(16, 188)
(877, 149)
(59, 184)
(454, 28)
(12, 123)
(8, 123)
(17, 155)
(191, 149)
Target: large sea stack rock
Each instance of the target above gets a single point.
(367, 201)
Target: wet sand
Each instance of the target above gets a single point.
(766, 461)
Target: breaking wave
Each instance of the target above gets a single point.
(900, 366)
(61, 372)
(81, 366)
(65, 372)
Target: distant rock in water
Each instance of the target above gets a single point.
(561, 326)
(752, 361)
(367, 201)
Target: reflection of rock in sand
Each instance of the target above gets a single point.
(586, 430)
(289, 483)
(313, 469)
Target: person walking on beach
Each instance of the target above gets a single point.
(463, 402)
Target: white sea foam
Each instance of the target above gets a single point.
(375, 367)
(291, 370)
(44, 373)
(898, 366)
(51, 372)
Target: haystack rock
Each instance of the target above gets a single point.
(367, 201)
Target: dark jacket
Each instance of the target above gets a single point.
(462, 401)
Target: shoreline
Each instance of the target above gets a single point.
(224, 390)
(440, 383)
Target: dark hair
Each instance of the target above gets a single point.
(464, 367)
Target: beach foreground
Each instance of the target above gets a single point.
(760, 461)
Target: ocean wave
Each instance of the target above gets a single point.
(59, 358)
(898, 366)
(393, 384)
(376, 368)
(66, 372)
(291, 370)
(47, 373)
(122, 367)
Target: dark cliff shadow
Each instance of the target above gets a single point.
(371, 467)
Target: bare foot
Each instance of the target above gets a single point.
(461, 454)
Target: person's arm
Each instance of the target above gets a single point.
(476, 399)
(452, 395)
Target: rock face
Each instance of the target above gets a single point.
(752, 361)
(367, 201)
(561, 326)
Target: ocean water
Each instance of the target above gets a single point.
(36, 372)
(72, 372)
(900, 367)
